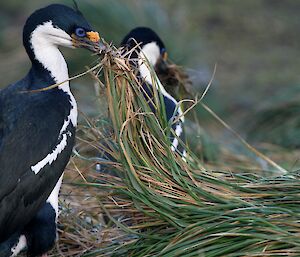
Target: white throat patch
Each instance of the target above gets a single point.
(45, 40)
(151, 53)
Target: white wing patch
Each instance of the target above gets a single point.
(51, 156)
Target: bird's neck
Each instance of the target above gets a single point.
(146, 62)
(147, 59)
(48, 58)
(147, 73)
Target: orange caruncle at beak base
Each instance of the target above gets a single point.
(93, 36)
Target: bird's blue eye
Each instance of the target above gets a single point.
(80, 32)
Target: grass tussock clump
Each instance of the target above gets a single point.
(170, 206)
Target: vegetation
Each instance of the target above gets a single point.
(151, 202)
(154, 203)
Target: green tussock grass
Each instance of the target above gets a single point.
(166, 206)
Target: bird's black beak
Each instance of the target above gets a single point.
(92, 42)
(162, 64)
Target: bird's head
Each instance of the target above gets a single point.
(146, 40)
(58, 25)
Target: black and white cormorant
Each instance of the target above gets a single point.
(37, 131)
(149, 46)
(149, 49)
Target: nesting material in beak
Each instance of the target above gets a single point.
(92, 41)
(174, 78)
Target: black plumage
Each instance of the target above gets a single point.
(40, 232)
(142, 36)
(37, 129)
(31, 123)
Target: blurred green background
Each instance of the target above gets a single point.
(254, 43)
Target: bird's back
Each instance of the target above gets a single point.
(30, 131)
